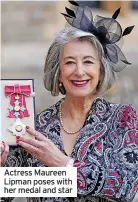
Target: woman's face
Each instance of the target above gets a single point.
(79, 68)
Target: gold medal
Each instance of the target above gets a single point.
(17, 108)
(18, 128)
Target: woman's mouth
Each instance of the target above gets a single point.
(80, 83)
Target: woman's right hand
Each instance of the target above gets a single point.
(4, 149)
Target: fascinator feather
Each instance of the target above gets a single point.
(106, 29)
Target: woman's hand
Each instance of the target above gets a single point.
(43, 149)
(4, 149)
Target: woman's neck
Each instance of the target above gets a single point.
(77, 107)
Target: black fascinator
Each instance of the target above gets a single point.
(107, 30)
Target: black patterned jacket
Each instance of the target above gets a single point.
(105, 153)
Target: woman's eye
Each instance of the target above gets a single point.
(88, 62)
(69, 62)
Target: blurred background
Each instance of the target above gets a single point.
(29, 27)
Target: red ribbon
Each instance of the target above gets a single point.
(22, 91)
(16, 89)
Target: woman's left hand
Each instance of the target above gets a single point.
(43, 149)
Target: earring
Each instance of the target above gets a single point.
(99, 85)
(62, 88)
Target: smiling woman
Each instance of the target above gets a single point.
(79, 68)
(83, 130)
(70, 37)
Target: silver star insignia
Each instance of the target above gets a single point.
(17, 102)
(17, 128)
(22, 108)
(16, 114)
(10, 108)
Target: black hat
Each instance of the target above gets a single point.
(106, 29)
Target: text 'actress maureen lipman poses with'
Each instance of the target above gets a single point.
(98, 137)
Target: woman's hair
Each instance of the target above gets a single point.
(52, 70)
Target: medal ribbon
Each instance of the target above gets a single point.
(21, 91)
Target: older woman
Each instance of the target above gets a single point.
(83, 130)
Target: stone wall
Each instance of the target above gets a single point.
(29, 21)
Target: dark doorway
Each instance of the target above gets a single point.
(135, 5)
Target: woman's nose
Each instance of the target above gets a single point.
(79, 70)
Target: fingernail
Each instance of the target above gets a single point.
(27, 127)
(3, 144)
(17, 141)
(24, 150)
(17, 137)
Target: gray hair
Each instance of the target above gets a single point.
(51, 71)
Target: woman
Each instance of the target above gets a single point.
(82, 130)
